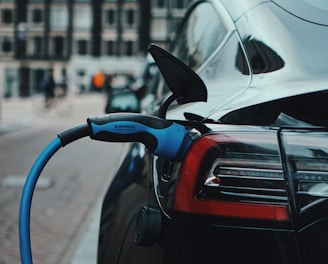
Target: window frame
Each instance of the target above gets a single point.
(12, 14)
(82, 18)
(127, 11)
(106, 43)
(10, 40)
(59, 13)
(113, 21)
(32, 12)
(230, 30)
(224, 18)
(78, 48)
(129, 48)
(33, 50)
(53, 52)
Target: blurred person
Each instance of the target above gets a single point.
(108, 88)
(48, 86)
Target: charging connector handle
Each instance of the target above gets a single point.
(161, 137)
(164, 138)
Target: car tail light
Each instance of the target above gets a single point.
(307, 166)
(235, 174)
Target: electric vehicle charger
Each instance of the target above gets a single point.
(161, 137)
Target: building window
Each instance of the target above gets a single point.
(110, 17)
(6, 45)
(110, 48)
(130, 17)
(37, 46)
(159, 29)
(37, 16)
(7, 16)
(58, 46)
(82, 17)
(160, 4)
(59, 17)
(129, 48)
(82, 47)
(179, 4)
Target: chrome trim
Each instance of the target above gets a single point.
(249, 173)
(266, 197)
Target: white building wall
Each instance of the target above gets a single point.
(90, 65)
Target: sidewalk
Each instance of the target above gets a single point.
(13, 114)
(17, 114)
(86, 252)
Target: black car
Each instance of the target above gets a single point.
(250, 80)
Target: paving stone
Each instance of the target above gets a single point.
(69, 189)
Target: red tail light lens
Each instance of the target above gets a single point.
(235, 174)
(307, 166)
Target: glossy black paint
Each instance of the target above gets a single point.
(264, 64)
(185, 84)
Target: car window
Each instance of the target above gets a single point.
(226, 74)
(199, 36)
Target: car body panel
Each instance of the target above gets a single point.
(243, 7)
(298, 75)
(178, 244)
(267, 90)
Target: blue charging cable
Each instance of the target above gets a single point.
(26, 199)
(164, 138)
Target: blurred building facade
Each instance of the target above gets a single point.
(73, 35)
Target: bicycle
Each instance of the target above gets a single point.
(59, 105)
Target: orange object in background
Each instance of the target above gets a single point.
(98, 80)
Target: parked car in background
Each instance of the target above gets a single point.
(134, 94)
(120, 97)
(143, 84)
(250, 79)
